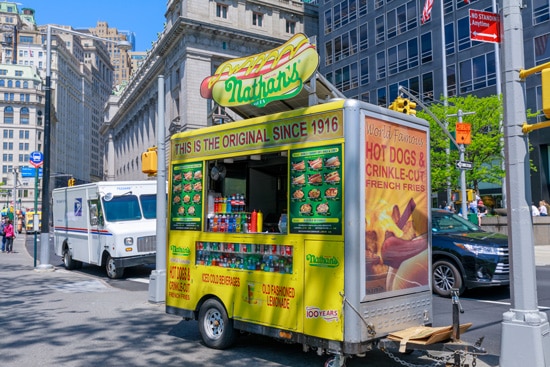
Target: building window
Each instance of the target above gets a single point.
(8, 134)
(449, 39)
(364, 71)
(477, 73)
(3, 72)
(451, 80)
(381, 97)
(380, 30)
(363, 37)
(290, 27)
(428, 87)
(328, 21)
(426, 47)
(18, 73)
(8, 115)
(328, 53)
(542, 49)
(257, 19)
(221, 11)
(24, 116)
(380, 66)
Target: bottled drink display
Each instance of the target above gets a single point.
(267, 258)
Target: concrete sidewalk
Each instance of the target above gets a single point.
(67, 318)
(542, 255)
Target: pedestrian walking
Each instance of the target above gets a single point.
(2, 233)
(9, 232)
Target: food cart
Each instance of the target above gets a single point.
(309, 226)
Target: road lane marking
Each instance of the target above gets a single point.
(138, 280)
(541, 308)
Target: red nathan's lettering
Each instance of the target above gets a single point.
(325, 126)
(403, 156)
(184, 148)
(375, 151)
(291, 131)
(211, 143)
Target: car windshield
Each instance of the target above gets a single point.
(122, 208)
(451, 223)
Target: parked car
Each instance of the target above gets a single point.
(465, 256)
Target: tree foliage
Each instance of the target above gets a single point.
(485, 150)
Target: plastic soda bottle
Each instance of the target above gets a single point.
(237, 223)
(228, 205)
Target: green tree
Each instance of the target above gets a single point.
(485, 150)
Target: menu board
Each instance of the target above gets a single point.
(316, 190)
(187, 196)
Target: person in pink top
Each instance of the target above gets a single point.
(10, 235)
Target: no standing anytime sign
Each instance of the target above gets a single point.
(484, 26)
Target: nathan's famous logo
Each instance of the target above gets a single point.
(179, 251)
(265, 77)
(322, 261)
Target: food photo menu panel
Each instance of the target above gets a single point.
(316, 194)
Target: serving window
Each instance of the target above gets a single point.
(247, 194)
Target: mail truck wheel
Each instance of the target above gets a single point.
(68, 261)
(112, 271)
(215, 326)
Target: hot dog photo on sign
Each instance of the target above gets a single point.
(396, 208)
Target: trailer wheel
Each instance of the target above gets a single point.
(446, 276)
(336, 361)
(68, 261)
(112, 271)
(215, 327)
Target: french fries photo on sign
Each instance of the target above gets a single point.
(396, 207)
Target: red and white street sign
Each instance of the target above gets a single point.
(484, 26)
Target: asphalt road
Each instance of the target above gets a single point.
(483, 307)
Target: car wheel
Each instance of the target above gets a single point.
(445, 276)
(68, 261)
(215, 327)
(112, 271)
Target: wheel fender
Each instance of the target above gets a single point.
(205, 298)
(447, 256)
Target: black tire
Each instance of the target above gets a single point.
(112, 271)
(446, 276)
(333, 362)
(68, 261)
(215, 327)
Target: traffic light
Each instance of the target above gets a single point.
(400, 104)
(545, 76)
(410, 107)
(149, 161)
(71, 182)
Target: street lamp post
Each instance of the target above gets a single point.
(45, 226)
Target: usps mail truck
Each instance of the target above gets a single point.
(110, 224)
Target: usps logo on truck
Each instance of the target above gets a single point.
(78, 207)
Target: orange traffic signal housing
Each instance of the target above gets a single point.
(463, 133)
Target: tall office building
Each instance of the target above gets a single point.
(198, 36)
(82, 79)
(369, 48)
(120, 58)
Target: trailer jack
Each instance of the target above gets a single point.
(460, 350)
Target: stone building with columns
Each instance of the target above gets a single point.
(195, 41)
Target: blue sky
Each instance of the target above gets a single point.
(143, 17)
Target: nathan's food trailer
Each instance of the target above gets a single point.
(341, 257)
(309, 225)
